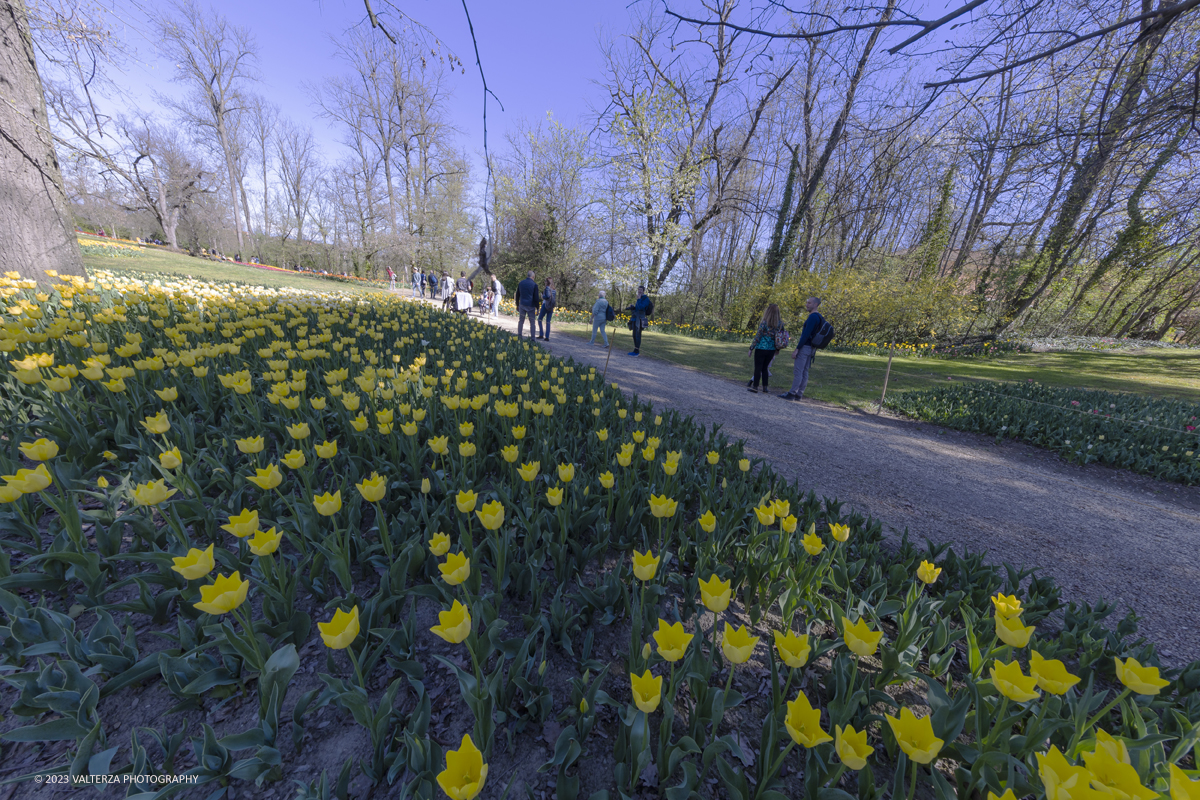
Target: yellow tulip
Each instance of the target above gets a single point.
(851, 746)
(1007, 606)
(101, 482)
(744, 465)
(672, 640)
(465, 771)
(1011, 682)
(518, 432)
(465, 500)
(223, 595)
(566, 472)
(268, 478)
(927, 573)
(859, 637)
(170, 459)
(158, 423)
(1062, 779)
(915, 736)
(328, 504)
(607, 480)
(788, 524)
(645, 565)
(708, 521)
(195, 564)
(1052, 675)
(41, 450)
(439, 545)
(152, 493)
(318, 403)
(839, 532)
(1008, 795)
(294, 460)
(374, 488)
(251, 446)
(713, 457)
(554, 496)
(662, 506)
(803, 723)
(341, 631)
(509, 453)
(426, 486)
(1012, 632)
(454, 625)
(439, 445)
(602, 434)
(455, 569)
(1142, 680)
(243, 524)
(466, 429)
(264, 543)
(491, 515)
(647, 691)
(624, 459)
(327, 449)
(793, 650)
(1112, 777)
(715, 594)
(737, 644)
(299, 431)
(1183, 787)
(781, 508)
(765, 514)
(360, 423)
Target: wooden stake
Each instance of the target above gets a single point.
(887, 373)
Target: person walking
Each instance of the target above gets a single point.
(391, 279)
(497, 293)
(420, 281)
(549, 297)
(805, 351)
(527, 302)
(641, 309)
(765, 346)
(600, 319)
(431, 279)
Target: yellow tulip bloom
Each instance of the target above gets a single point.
(624, 459)
(1183, 787)
(803, 723)
(328, 504)
(299, 431)
(439, 545)
(529, 472)
(251, 446)
(268, 478)
(491, 515)
(1142, 680)
(195, 563)
(645, 565)
(602, 434)
(662, 506)
(170, 459)
(1007, 606)
(672, 640)
(737, 644)
(243, 524)
(374, 488)
(1110, 776)
(509, 453)
(715, 594)
(1012, 632)
(264, 543)
(566, 472)
(554, 496)
(744, 465)
(927, 573)
(713, 457)
(455, 569)
(707, 521)
(781, 508)
(851, 746)
(294, 460)
(1051, 675)
(152, 493)
(466, 429)
(1011, 682)
(1008, 795)
(318, 403)
(360, 423)
(439, 445)
(157, 424)
(465, 500)
(765, 514)
(860, 639)
(915, 736)
(41, 450)
(327, 449)
(223, 595)
(812, 543)
(341, 631)
(647, 691)
(839, 532)
(426, 486)
(454, 625)
(518, 432)
(465, 772)
(1062, 779)
(793, 650)
(788, 524)
(607, 480)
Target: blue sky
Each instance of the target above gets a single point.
(539, 56)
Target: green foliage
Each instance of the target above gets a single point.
(1154, 437)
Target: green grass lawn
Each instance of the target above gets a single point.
(856, 381)
(157, 259)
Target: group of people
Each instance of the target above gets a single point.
(772, 336)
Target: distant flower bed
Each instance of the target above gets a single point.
(999, 347)
(1143, 434)
(1048, 343)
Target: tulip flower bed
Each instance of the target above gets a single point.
(1143, 434)
(520, 579)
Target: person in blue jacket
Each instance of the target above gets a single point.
(804, 350)
(527, 302)
(641, 310)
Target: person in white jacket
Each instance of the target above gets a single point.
(600, 319)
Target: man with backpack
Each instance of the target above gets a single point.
(527, 303)
(549, 298)
(815, 336)
(642, 308)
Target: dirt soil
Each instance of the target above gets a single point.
(1103, 534)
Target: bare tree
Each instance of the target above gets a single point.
(299, 173)
(214, 60)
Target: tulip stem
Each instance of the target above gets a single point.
(775, 767)
(357, 668)
(248, 630)
(1100, 715)
(912, 782)
(385, 532)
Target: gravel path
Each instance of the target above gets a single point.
(1102, 533)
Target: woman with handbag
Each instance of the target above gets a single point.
(770, 338)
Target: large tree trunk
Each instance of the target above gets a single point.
(38, 234)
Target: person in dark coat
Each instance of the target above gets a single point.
(527, 304)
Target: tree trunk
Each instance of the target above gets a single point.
(38, 232)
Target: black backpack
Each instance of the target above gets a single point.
(610, 313)
(823, 336)
(650, 311)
